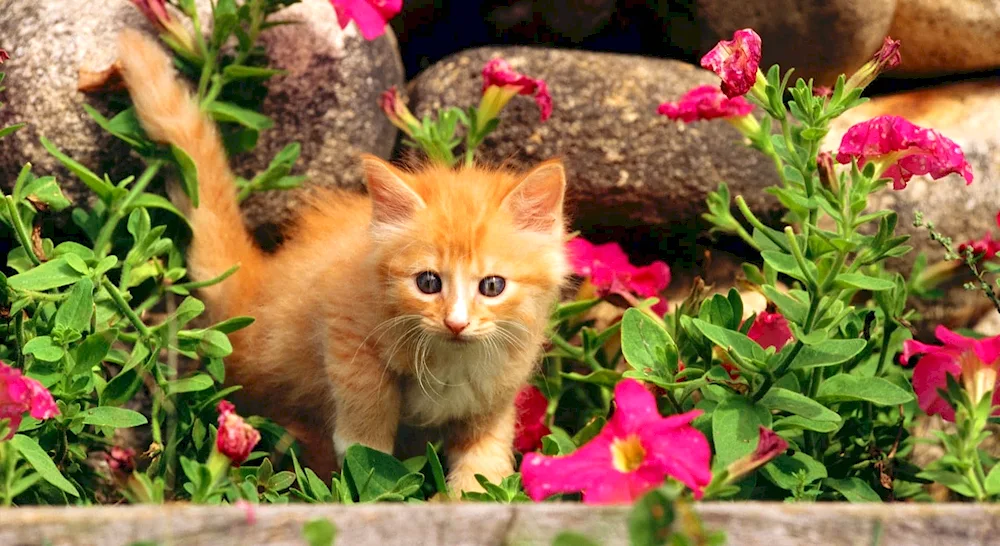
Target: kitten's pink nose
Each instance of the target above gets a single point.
(456, 326)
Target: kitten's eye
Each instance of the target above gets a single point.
(492, 286)
(429, 282)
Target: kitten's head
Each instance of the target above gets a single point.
(469, 254)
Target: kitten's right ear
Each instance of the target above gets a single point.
(393, 201)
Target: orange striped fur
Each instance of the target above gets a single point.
(345, 347)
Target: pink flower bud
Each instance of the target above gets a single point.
(736, 61)
(885, 59)
(4, 56)
(769, 446)
(530, 428)
(397, 112)
(827, 174)
(236, 438)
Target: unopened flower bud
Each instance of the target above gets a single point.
(886, 58)
(827, 174)
(397, 112)
(769, 446)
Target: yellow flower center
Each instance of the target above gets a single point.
(978, 378)
(627, 454)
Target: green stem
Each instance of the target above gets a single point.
(9, 457)
(756, 223)
(102, 245)
(126, 309)
(21, 231)
(800, 258)
(21, 341)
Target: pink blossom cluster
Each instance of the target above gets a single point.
(608, 268)
(20, 395)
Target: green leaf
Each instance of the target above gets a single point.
(92, 350)
(604, 377)
(862, 282)
(558, 442)
(240, 72)
(51, 274)
(437, 471)
(42, 463)
(224, 111)
(281, 481)
(75, 312)
(573, 308)
(650, 520)
(189, 174)
(795, 403)
(646, 345)
(319, 532)
(789, 472)
(741, 344)
(827, 353)
(849, 388)
(233, 324)
(195, 383)
(43, 348)
(11, 129)
(46, 190)
(992, 483)
(853, 489)
(786, 263)
(736, 426)
(796, 422)
(373, 472)
(104, 190)
(214, 344)
(153, 201)
(121, 389)
(107, 416)
(954, 481)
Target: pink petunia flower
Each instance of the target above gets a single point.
(121, 460)
(371, 16)
(631, 455)
(507, 82)
(4, 56)
(705, 102)
(530, 428)
(986, 248)
(609, 270)
(236, 437)
(736, 61)
(902, 150)
(20, 395)
(973, 362)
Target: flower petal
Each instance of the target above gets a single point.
(544, 476)
(681, 452)
(929, 375)
(705, 102)
(635, 407)
(736, 61)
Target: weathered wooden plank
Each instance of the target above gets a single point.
(751, 524)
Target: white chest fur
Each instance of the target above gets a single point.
(454, 381)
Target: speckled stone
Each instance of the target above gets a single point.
(820, 40)
(327, 101)
(947, 37)
(632, 173)
(966, 113)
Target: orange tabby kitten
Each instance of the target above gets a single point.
(423, 303)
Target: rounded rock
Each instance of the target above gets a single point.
(947, 37)
(327, 100)
(634, 176)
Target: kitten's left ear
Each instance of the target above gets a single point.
(537, 201)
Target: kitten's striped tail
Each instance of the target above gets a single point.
(169, 114)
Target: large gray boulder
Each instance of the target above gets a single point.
(820, 40)
(631, 171)
(947, 37)
(327, 101)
